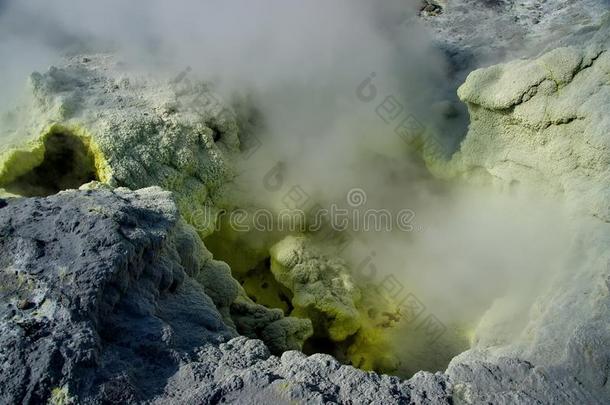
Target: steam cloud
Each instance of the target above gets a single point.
(302, 62)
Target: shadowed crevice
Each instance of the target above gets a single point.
(67, 164)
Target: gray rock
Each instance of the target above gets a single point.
(100, 303)
(475, 33)
(112, 309)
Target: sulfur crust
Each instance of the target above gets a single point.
(357, 318)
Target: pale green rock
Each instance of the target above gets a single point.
(322, 288)
(542, 126)
(356, 316)
(139, 130)
(541, 123)
(485, 86)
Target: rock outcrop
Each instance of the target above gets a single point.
(475, 33)
(98, 295)
(356, 320)
(106, 298)
(93, 119)
(541, 125)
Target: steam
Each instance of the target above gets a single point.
(302, 63)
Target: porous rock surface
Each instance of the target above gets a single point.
(142, 130)
(541, 125)
(543, 122)
(480, 32)
(358, 318)
(104, 299)
(322, 288)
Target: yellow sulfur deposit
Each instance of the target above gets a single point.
(359, 320)
(62, 158)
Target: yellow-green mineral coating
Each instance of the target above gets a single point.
(359, 319)
(139, 132)
(321, 290)
(18, 166)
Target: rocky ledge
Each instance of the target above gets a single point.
(106, 297)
